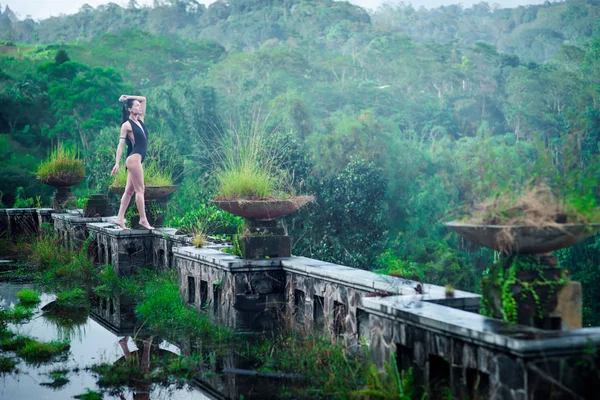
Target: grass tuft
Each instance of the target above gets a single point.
(63, 167)
(246, 167)
(74, 298)
(35, 351)
(28, 297)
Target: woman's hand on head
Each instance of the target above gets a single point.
(123, 98)
(115, 169)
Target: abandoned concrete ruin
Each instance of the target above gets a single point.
(442, 337)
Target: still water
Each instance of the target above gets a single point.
(91, 343)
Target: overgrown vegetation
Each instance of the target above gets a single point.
(246, 166)
(58, 378)
(63, 167)
(31, 350)
(165, 312)
(536, 206)
(28, 297)
(390, 124)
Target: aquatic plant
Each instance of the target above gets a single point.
(46, 251)
(28, 297)
(35, 351)
(7, 364)
(74, 298)
(18, 314)
(119, 373)
(32, 350)
(89, 395)
(333, 371)
(59, 378)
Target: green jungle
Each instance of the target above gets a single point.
(396, 119)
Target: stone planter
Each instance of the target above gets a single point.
(263, 210)
(264, 237)
(526, 239)
(63, 196)
(543, 296)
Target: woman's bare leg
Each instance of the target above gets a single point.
(134, 166)
(125, 200)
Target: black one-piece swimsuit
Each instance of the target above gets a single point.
(141, 140)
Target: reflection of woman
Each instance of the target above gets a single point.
(134, 133)
(143, 392)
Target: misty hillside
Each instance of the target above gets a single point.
(532, 32)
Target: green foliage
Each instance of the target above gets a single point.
(34, 351)
(28, 296)
(246, 169)
(7, 364)
(163, 309)
(63, 165)
(502, 280)
(46, 251)
(74, 298)
(89, 395)
(207, 218)
(59, 378)
(22, 202)
(391, 384)
(18, 314)
(334, 372)
(348, 224)
(119, 374)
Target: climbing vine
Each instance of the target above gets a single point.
(504, 277)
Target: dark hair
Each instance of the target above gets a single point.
(125, 110)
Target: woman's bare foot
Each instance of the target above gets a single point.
(121, 225)
(146, 225)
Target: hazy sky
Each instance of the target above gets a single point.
(40, 9)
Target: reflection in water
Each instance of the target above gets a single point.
(69, 323)
(91, 343)
(142, 392)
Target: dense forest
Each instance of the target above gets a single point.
(397, 119)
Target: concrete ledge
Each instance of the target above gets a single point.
(370, 282)
(113, 230)
(226, 261)
(519, 340)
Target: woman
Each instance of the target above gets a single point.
(134, 133)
